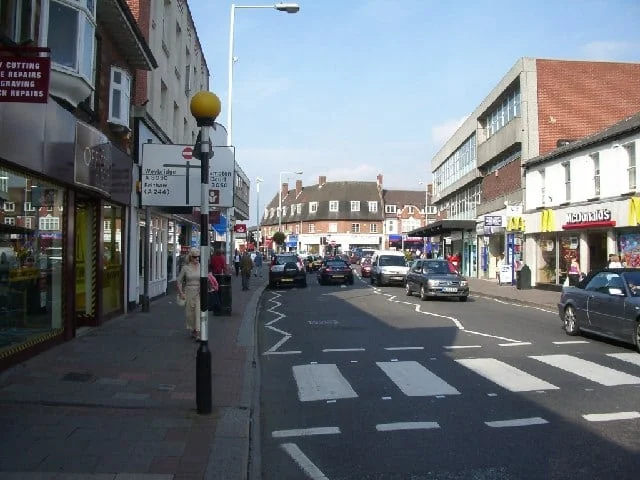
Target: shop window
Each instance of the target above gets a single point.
(119, 97)
(112, 283)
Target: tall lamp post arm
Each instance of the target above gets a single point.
(232, 22)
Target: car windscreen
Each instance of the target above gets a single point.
(284, 259)
(439, 268)
(337, 264)
(633, 281)
(392, 261)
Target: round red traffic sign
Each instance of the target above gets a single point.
(187, 153)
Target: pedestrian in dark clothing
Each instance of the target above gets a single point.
(246, 265)
(236, 262)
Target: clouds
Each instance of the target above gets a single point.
(442, 132)
(608, 50)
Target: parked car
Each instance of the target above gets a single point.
(365, 267)
(388, 267)
(288, 269)
(436, 278)
(312, 262)
(606, 302)
(336, 270)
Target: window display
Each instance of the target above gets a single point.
(630, 250)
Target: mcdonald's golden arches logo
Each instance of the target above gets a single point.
(515, 224)
(548, 221)
(634, 211)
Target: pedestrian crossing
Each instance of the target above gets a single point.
(330, 382)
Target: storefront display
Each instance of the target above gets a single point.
(630, 249)
(112, 218)
(31, 253)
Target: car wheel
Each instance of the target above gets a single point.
(570, 322)
(423, 293)
(350, 281)
(272, 285)
(407, 289)
(303, 284)
(636, 335)
(372, 280)
(464, 298)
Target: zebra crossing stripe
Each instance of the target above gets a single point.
(415, 380)
(390, 427)
(505, 375)
(589, 370)
(633, 358)
(606, 417)
(517, 422)
(321, 382)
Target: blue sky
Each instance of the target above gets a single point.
(350, 89)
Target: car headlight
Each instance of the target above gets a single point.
(433, 283)
(463, 283)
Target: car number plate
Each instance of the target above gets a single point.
(287, 280)
(398, 277)
(338, 276)
(449, 289)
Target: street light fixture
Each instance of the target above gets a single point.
(281, 7)
(205, 107)
(299, 172)
(259, 180)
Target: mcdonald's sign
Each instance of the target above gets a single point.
(515, 224)
(548, 221)
(634, 211)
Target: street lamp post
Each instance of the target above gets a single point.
(259, 180)
(281, 7)
(205, 107)
(280, 197)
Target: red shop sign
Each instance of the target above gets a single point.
(24, 74)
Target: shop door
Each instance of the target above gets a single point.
(86, 263)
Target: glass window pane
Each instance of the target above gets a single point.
(116, 100)
(63, 34)
(117, 77)
(86, 69)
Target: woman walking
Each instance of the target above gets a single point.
(189, 289)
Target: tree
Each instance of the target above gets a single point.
(278, 238)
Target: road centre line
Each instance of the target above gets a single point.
(452, 347)
(305, 432)
(517, 422)
(473, 332)
(403, 348)
(606, 417)
(514, 344)
(328, 350)
(437, 315)
(303, 462)
(570, 342)
(390, 427)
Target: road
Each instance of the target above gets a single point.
(366, 383)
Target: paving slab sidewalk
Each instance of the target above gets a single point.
(118, 402)
(508, 293)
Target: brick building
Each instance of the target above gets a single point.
(538, 105)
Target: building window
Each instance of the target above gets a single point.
(410, 210)
(543, 187)
(312, 228)
(373, 228)
(355, 206)
(28, 222)
(119, 97)
(503, 113)
(355, 228)
(18, 20)
(392, 225)
(333, 228)
(333, 205)
(9, 220)
(72, 25)
(595, 159)
(299, 208)
(284, 211)
(50, 223)
(313, 207)
(373, 207)
(9, 206)
(567, 181)
(631, 165)
(28, 207)
(389, 209)
(432, 210)
(458, 164)
(297, 229)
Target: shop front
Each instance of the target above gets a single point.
(63, 189)
(583, 234)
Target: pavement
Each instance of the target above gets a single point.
(118, 401)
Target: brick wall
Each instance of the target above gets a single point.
(506, 181)
(578, 98)
(141, 10)
(322, 227)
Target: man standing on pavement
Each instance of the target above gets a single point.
(258, 263)
(246, 265)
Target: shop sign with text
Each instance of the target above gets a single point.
(24, 74)
(595, 218)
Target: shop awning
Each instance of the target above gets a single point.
(444, 227)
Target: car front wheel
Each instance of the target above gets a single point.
(423, 293)
(570, 322)
(407, 289)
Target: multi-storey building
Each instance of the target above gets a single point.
(65, 166)
(582, 201)
(343, 215)
(537, 105)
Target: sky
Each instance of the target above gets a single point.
(350, 89)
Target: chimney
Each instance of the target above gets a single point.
(284, 189)
(379, 178)
(298, 187)
(322, 180)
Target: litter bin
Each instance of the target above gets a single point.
(224, 291)
(523, 278)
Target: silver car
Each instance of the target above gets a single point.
(607, 303)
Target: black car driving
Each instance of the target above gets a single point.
(335, 270)
(287, 269)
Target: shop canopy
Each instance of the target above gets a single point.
(444, 227)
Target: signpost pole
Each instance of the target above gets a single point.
(146, 301)
(205, 107)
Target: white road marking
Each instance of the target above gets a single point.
(386, 398)
(521, 305)
(453, 347)
(517, 422)
(570, 342)
(472, 332)
(305, 432)
(404, 348)
(514, 344)
(437, 315)
(321, 382)
(492, 394)
(589, 370)
(281, 332)
(289, 352)
(606, 417)
(633, 358)
(505, 375)
(329, 350)
(415, 380)
(390, 427)
(313, 472)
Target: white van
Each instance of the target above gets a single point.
(388, 267)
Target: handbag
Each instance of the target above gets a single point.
(181, 301)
